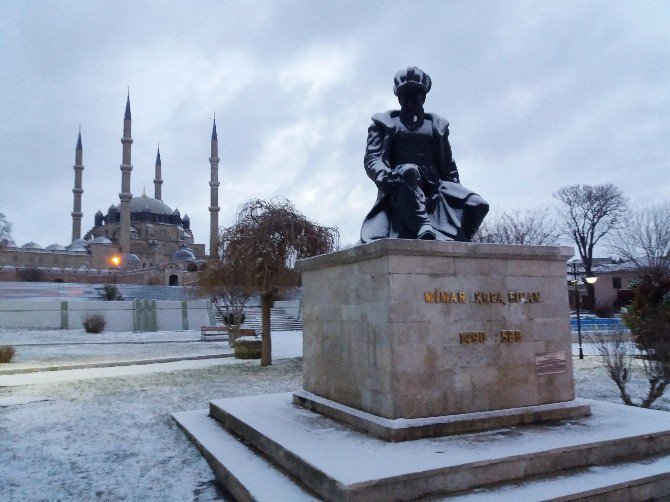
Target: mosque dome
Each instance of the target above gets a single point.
(78, 243)
(31, 245)
(146, 203)
(101, 240)
(55, 247)
(130, 260)
(183, 254)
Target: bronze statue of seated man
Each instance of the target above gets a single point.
(408, 157)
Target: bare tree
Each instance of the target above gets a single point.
(533, 227)
(590, 213)
(5, 231)
(229, 292)
(645, 239)
(259, 251)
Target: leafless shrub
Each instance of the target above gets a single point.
(6, 353)
(620, 357)
(614, 350)
(94, 323)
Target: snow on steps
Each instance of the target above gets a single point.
(250, 476)
(619, 453)
(648, 479)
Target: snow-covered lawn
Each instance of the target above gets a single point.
(56, 348)
(112, 438)
(592, 382)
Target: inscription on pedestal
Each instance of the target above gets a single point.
(506, 336)
(438, 296)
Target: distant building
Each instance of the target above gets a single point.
(612, 289)
(141, 240)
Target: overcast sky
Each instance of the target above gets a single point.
(538, 94)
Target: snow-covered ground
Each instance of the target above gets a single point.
(88, 436)
(42, 349)
(106, 433)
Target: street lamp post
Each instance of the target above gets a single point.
(579, 320)
(589, 280)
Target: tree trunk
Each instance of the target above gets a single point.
(266, 346)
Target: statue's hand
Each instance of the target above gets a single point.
(386, 182)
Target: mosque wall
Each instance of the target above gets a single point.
(44, 258)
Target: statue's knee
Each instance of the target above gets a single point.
(476, 201)
(409, 173)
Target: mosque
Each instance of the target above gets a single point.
(141, 240)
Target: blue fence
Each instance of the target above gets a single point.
(598, 324)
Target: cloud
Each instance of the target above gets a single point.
(538, 96)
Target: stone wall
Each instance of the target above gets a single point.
(137, 315)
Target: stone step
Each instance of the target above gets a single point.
(248, 475)
(641, 480)
(279, 320)
(245, 474)
(340, 463)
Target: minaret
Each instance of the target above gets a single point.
(214, 197)
(125, 195)
(158, 182)
(77, 190)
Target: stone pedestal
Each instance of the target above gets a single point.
(408, 329)
(409, 345)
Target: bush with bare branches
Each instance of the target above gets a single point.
(622, 360)
(614, 351)
(94, 323)
(648, 318)
(6, 353)
(228, 289)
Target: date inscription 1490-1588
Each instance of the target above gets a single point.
(505, 336)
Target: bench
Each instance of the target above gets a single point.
(208, 332)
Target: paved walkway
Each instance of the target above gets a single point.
(59, 356)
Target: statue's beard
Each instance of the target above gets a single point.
(412, 114)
